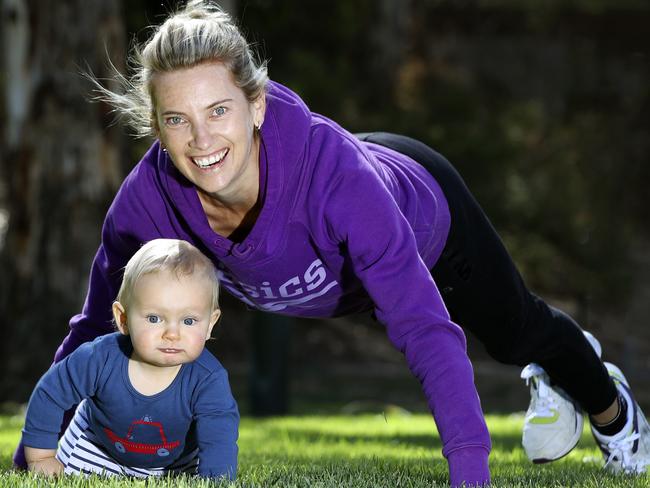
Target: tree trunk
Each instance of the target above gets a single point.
(60, 167)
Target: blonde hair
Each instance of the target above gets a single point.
(173, 255)
(200, 32)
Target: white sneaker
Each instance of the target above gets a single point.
(553, 422)
(628, 451)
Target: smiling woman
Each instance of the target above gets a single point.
(209, 133)
(303, 218)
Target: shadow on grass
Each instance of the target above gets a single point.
(373, 472)
(500, 441)
(6, 460)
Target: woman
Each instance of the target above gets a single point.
(302, 218)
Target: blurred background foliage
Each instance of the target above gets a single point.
(542, 106)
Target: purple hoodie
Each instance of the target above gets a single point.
(345, 227)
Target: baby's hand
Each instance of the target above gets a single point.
(48, 467)
(43, 461)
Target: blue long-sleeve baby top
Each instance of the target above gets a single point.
(197, 410)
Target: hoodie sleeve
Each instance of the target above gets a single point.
(129, 222)
(363, 217)
(95, 318)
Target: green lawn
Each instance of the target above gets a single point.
(369, 450)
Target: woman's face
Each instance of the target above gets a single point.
(207, 126)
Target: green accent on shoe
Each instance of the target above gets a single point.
(546, 420)
(617, 377)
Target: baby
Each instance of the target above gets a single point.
(152, 400)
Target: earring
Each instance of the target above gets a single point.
(258, 125)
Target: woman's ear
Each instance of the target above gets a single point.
(259, 110)
(214, 317)
(119, 314)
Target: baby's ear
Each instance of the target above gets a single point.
(119, 314)
(214, 317)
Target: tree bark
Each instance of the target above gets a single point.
(60, 166)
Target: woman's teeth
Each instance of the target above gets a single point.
(211, 160)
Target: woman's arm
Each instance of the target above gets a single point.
(130, 222)
(96, 318)
(363, 216)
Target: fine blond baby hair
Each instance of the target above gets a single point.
(176, 256)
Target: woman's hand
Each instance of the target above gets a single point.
(43, 461)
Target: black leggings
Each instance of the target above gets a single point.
(486, 295)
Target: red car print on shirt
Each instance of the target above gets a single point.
(126, 445)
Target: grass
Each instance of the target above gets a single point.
(366, 450)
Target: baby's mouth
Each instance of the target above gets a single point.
(170, 350)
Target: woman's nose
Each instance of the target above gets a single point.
(200, 137)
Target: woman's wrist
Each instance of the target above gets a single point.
(470, 466)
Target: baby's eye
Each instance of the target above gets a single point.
(189, 321)
(153, 319)
(219, 111)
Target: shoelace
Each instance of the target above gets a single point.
(545, 402)
(622, 449)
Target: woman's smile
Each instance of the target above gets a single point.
(206, 123)
(211, 160)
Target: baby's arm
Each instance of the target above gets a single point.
(65, 384)
(217, 428)
(43, 461)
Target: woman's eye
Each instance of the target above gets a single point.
(153, 319)
(174, 120)
(219, 111)
(188, 321)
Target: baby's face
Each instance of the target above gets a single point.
(170, 318)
